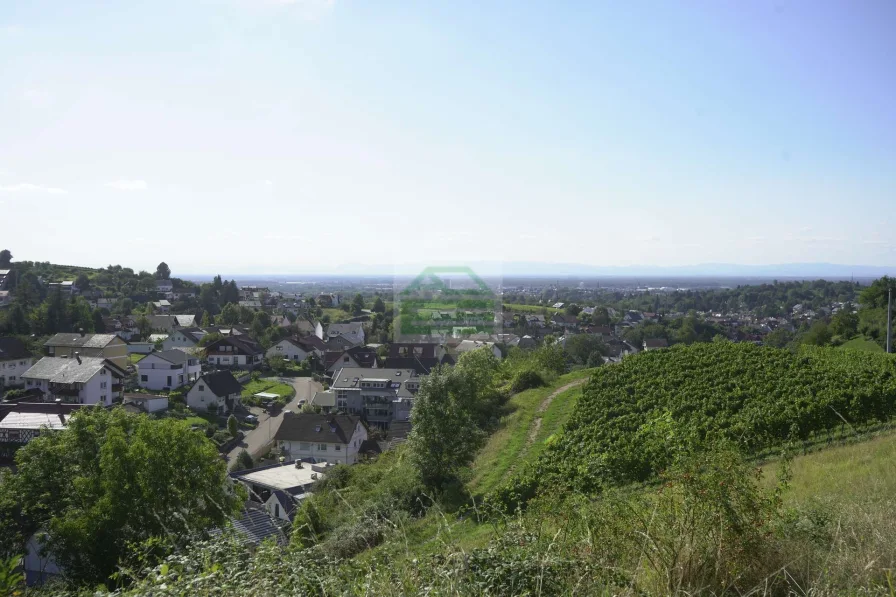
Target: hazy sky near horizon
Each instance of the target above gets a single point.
(287, 136)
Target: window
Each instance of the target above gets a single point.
(277, 510)
(322, 447)
(338, 448)
(12, 378)
(103, 398)
(102, 371)
(103, 385)
(144, 378)
(201, 388)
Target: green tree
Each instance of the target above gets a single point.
(230, 315)
(357, 304)
(206, 321)
(379, 306)
(98, 325)
(82, 282)
(243, 461)
(5, 258)
(819, 334)
(232, 426)
(163, 272)
(144, 326)
(572, 310)
(111, 480)
(778, 338)
(845, 323)
(229, 293)
(580, 347)
(444, 436)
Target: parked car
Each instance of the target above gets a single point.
(251, 419)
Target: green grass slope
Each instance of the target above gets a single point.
(862, 343)
(633, 417)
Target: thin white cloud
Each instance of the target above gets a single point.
(26, 187)
(128, 185)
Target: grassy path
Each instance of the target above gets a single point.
(514, 437)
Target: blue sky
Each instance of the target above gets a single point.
(280, 137)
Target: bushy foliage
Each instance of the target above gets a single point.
(632, 417)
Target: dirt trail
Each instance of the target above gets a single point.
(536, 424)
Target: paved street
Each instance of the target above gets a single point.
(257, 440)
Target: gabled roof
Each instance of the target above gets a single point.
(312, 342)
(12, 349)
(254, 526)
(243, 344)
(308, 427)
(192, 333)
(420, 365)
(656, 343)
(221, 383)
(162, 321)
(73, 340)
(185, 320)
(363, 356)
(175, 357)
(70, 370)
(345, 329)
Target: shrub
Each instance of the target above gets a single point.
(526, 379)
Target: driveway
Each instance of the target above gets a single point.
(257, 440)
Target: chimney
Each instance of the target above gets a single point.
(81, 331)
(78, 356)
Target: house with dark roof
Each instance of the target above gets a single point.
(357, 356)
(254, 526)
(21, 422)
(380, 396)
(79, 380)
(235, 351)
(292, 349)
(106, 346)
(167, 370)
(334, 439)
(655, 343)
(219, 388)
(15, 360)
(353, 332)
(186, 337)
(422, 357)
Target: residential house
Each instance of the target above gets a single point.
(633, 317)
(353, 332)
(20, 422)
(107, 346)
(305, 327)
(325, 401)
(535, 321)
(603, 331)
(187, 337)
(162, 323)
(358, 356)
(67, 287)
(292, 349)
(280, 487)
(4, 278)
(124, 327)
(332, 439)
(254, 527)
(422, 357)
(15, 360)
(162, 306)
(185, 321)
(558, 305)
(164, 286)
(281, 321)
(381, 396)
(235, 351)
(470, 345)
(655, 343)
(220, 389)
(328, 300)
(565, 321)
(76, 379)
(167, 370)
(145, 403)
(251, 304)
(527, 342)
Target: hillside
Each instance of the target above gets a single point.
(633, 418)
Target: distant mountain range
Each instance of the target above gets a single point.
(578, 270)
